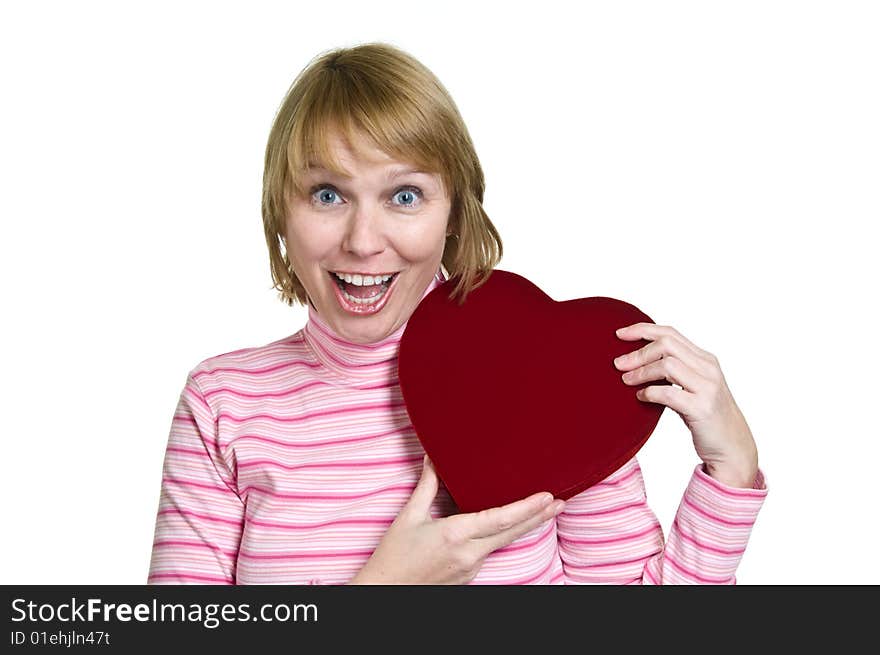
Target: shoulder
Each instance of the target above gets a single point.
(253, 363)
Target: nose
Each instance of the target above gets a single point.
(364, 235)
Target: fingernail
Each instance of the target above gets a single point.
(560, 505)
(546, 499)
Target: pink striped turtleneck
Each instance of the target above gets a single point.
(287, 462)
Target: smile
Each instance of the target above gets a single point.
(363, 294)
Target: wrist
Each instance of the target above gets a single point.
(366, 576)
(741, 475)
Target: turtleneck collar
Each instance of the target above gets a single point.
(355, 362)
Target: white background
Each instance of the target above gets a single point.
(715, 164)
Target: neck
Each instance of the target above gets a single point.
(360, 363)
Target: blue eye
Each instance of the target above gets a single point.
(408, 196)
(326, 194)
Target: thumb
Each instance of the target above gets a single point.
(426, 489)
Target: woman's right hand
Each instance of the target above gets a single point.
(418, 549)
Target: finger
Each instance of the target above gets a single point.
(511, 534)
(671, 369)
(497, 519)
(663, 347)
(680, 400)
(652, 332)
(426, 490)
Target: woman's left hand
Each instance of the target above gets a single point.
(721, 436)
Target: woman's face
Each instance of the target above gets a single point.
(382, 219)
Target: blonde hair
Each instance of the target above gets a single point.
(385, 94)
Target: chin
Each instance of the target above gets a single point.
(365, 330)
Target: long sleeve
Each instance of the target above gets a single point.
(609, 535)
(201, 516)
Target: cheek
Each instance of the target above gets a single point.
(423, 244)
(308, 246)
(423, 253)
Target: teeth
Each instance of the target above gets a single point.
(363, 280)
(363, 301)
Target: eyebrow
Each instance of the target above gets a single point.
(392, 174)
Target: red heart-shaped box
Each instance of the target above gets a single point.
(512, 392)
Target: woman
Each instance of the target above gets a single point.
(295, 462)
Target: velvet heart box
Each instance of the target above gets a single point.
(512, 392)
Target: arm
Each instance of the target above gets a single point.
(709, 533)
(200, 517)
(715, 517)
(609, 535)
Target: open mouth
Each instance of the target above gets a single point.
(361, 294)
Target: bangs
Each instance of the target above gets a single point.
(359, 111)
